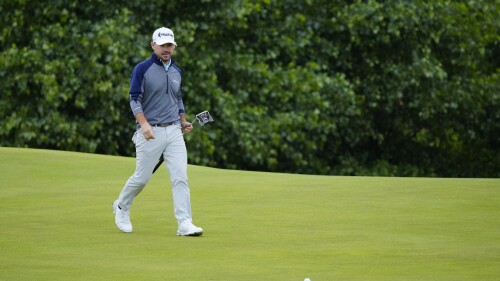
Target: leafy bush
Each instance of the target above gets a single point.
(405, 88)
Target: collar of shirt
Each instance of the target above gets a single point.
(167, 65)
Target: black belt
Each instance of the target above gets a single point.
(163, 124)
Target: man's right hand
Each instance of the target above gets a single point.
(147, 131)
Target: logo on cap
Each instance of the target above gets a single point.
(164, 34)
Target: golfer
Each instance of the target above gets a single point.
(156, 102)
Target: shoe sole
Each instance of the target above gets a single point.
(190, 234)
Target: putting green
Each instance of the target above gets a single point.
(56, 223)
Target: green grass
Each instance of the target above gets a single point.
(56, 223)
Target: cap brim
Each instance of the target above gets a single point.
(163, 42)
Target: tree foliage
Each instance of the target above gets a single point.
(405, 88)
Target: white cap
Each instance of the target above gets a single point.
(163, 35)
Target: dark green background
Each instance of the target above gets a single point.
(391, 88)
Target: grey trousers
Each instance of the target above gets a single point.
(168, 141)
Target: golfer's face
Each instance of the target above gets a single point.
(164, 52)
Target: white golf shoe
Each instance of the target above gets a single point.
(187, 228)
(122, 218)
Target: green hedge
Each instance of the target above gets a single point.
(391, 88)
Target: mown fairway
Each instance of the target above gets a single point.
(56, 223)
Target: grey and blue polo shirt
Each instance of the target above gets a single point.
(155, 90)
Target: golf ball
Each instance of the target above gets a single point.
(307, 279)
